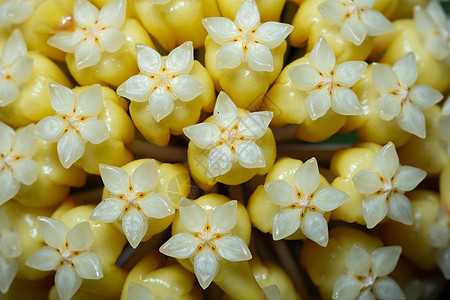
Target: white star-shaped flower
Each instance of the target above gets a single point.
(433, 26)
(10, 249)
(207, 239)
(96, 32)
(67, 252)
(246, 39)
(327, 83)
(17, 166)
(140, 292)
(303, 204)
(230, 138)
(163, 80)
(132, 200)
(75, 122)
(355, 18)
(366, 275)
(400, 97)
(440, 240)
(17, 11)
(15, 68)
(384, 187)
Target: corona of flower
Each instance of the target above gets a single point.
(400, 98)
(440, 240)
(366, 275)
(67, 252)
(327, 83)
(246, 39)
(355, 18)
(384, 187)
(16, 160)
(75, 122)
(303, 204)
(207, 239)
(163, 80)
(132, 200)
(15, 68)
(230, 138)
(10, 249)
(17, 11)
(96, 32)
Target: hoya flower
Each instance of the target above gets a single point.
(132, 200)
(400, 98)
(303, 204)
(17, 166)
(230, 138)
(15, 67)
(246, 39)
(207, 239)
(433, 26)
(355, 18)
(10, 249)
(163, 80)
(96, 32)
(327, 83)
(17, 11)
(440, 240)
(67, 252)
(75, 122)
(384, 187)
(366, 275)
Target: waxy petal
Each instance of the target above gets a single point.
(318, 103)
(70, 148)
(80, 237)
(134, 226)
(333, 12)
(345, 102)
(25, 170)
(329, 198)
(384, 79)
(412, 120)
(230, 56)
(387, 289)
(186, 87)
(156, 206)
(53, 232)
(254, 125)
(386, 162)
(45, 259)
(220, 29)
(111, 39)
(224, 218)
(14, 47)
(93, 130)
(322, 56)
(346, 287)
(181, 246)
(192, 215)
(408, 178)
(400, 209)
(8, 270)
(8, 185)
(442, 257)
(115, 179)
(374, 210)
(285, 223)
(247, 17)
(281, 192)
(145, 177)
(137, 88)
(376, 22)
(272, 34)
(149, 60)
(7, 135)
(354, 30)
(349, 72)
(62, 99)
(161, 103)
(225, 111)
(67, 282)
(305, 77)
(66, 41)
(88, 265)
(424, 96)
(384, 260)
(315, 227)
(367, 295)
(367, 181)
(108, 210)
(307, 177)
(87, 54)
(113, 14)
(20, 71)
(358, 261)
(139, 292)
(25, 144)
(85, 13)
(181, 59)
(250, 155)
(11, 246)
(8, 92)
(203, 135)
(233, 248)
(50, 128)
(206, 267)
(388, 106)
(406, 70)
(220, 161)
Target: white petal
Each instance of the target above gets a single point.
(442, 257)
(250, 155)
(136, 88)
(156, 206)
(206, 267)
(225, 111)
(224, 217)
(161, 103)
(220, 161)
(374, 210)
(45, 259)
(7, 135)
(220, 29)
(203, 135)
(111, 39)
(25, 143)
(366, 4)
(329, 198)
(315, 227)
(21, 69)
(145, 177)
(134, 226)
(439, 235)
(346, 287)
(367, 181)
(406, 70)
(181, 59)
(230, 55)
(247, 17)
(116, 180)
(272, 292)
(412, 120)
(376, 22)
(358, 261)
(139, 292)
(366, 295)
(50, 128)
(272, 34)
(94, 131)
(233, 248)
(387, 289)
(66, 41)
(322, 56)
(53, 232)
(25, 170)
(318, 103)
(384, 79)
(67, 282)
(87, 54)
(345, 102)
(8, 185)
(437, 13)
(255, 124)
(385, 161)
(192, 215)
(437, 46)
(11, 247)
(113, 14)
(88, 265)
(108, 210)
(80, 237)
(306, 177)
(354, 30)
(407, 178)
(8, 270)
(149, 60)
(305, 77)
(349, 72)
(14, 47)
(385, 259)
(62, 99)
(424, 96)
(8, 92)
(333, 12)
(181, 245)
(70, 148)
(85, 13)
(400, 209)
(285, 223)
(388, 106)
(281, 192)
(186, 87)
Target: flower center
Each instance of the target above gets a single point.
(207, 239)
(366, 281)
(352, 9)
(246, 38)
(6, 161)
(230, 137)
(73, 122)
(162, 80)
(131, 199)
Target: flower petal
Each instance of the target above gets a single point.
(203, 135)
(161, 103)
(345, 102)
(113, 14)
(87, 54)
(186, 87)
(181, 59)
(137, 88)
(53, 232)
(424, 96)
(305, 77)
(354, 30)
(116, 180)
(318, 103)
(62, 99)
(374, 210)
(149, 60)
(66, 41)
(7, 135)
(45, 259)
(225, 111)
(93, 130)
(8, 271)
(88, 265)
(385, 161)
(367, 181)
(408, 178)
(384, 260)
(349, 72)
(247, 17)
(315, 227)
(25, 170)
(8, 92)
(139, 292)
(20, 70)
(322, 56)
(387, 289)
(108, 210)
(255, 124)
(220, 161)
(67, 282)
(134, 226)
(406, 70)
(233, 248)
(358, 261)
(11, 247)
(250, 155)
(206, 267)
(272, 34)
(367, 295)
(156, 206)
(192, 215)
(376, 22)
(400, 209)
(181, 246)
(229, 56)
(111, 39)
(388, 106)
(329, 198)
(50, 128)
(412, 120)
(85, 13)
(307, 177)
(333, 12)
(442, 257)
(8, 185)
(145, 177)
(14, 47)
(80, 237)
(25, 144)
(346, 287)
(70, 148)
(220, 29)
(384, 79)
(285, 223)
(281, 192)
(224, 217)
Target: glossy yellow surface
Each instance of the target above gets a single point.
(444, 188)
